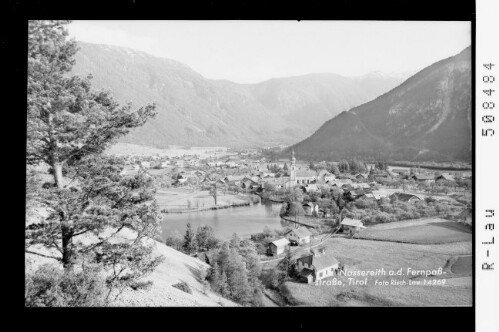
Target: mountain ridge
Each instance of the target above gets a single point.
(194, 110)
(427, 116)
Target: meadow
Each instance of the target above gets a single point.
(367, 255)
(420, 231)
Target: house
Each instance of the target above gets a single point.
(145, 164)
(405, 197)
(221, 182)
(234, 180)
(362, 176)
(278, 247)
(325, 176)
(351, 226)
(310, 187)
(422, 178)
(277, 182)
(299, 235)
(248, 183)
(354, 194)
(400, 171)
(303, 176)
(341, 182)
(379, 194)
(445, 177)
(316, 266)
(310, 207)
(361, 186)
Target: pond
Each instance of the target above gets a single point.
(244, 220)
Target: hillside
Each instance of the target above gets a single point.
(193, 110)
(428, 117)
(175, 268)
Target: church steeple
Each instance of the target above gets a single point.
(292, 169)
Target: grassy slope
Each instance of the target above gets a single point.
(371, 255)
(420, 231)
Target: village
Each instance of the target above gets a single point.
(152, 182)
(322, 203)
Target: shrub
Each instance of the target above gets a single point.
(383, 217)
(183, 286)
(50, 286)
(261, 249)
(138, 285)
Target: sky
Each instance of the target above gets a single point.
(254, 51)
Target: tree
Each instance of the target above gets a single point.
(174, 240)
(50, 286)
(102, 206)
(214, 192)
(235, 241)
(295, 209)
(320, 166)
(344, 166)
(66, 119)
(190, 244)
(294, 195)
(205, 237)
(333, 168)
(357, 166)
(219, 281)
(285, 167)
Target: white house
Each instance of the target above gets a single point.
(351, 226)
(299, 235)
(317, 265)
(278, 247)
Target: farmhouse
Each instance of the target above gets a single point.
(404, 197)
(422, 178)
(316, 266)
(351, 226)
(278, 247)
(248, 183)
(445, 177)
(299, 235)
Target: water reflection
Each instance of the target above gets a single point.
(241, 220)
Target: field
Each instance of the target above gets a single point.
(454, 259)
(140, 150)
(178, 200)
(420, 231)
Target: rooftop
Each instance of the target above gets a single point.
(352, 222)
(301, 232)
(281, 242)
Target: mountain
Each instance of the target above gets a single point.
(193, 110)
(427, 117)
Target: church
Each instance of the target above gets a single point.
(299, 176)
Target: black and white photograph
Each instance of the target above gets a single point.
(234, 163)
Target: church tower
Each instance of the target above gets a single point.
(292, 169)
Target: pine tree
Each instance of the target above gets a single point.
(69, 125)
(66, 119)
(237, 279)
(223, 285)
(190, 244)
(235, 241)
